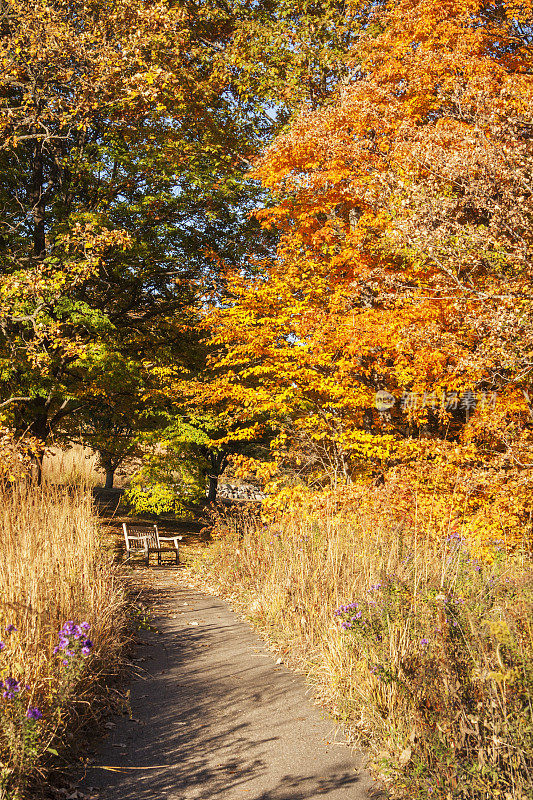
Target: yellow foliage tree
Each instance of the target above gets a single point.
(395, 326)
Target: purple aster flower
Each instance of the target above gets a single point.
(85, 626)
(33, 713)
(11, 688)
(68, 628)
(11, 628)
(85, 651)
(424, 642)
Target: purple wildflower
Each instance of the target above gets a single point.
(2, 646)
(11, 628)
(33, 713)
(455, 539)
(11, 688)
(73, 641)
(424, 642)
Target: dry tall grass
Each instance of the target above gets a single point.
(428, 658)
(52, 569)
(75, 466)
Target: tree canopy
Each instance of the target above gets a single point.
(304, 221)
(395, 323)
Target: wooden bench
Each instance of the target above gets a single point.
(147, 540)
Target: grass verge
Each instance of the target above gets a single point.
(63, 615)
(423, 651)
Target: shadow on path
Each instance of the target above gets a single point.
(213, 716)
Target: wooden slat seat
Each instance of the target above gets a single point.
(147, 540)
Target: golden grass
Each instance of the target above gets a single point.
(73, 466)
(434, 677)
(53, 568)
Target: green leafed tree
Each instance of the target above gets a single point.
(121, 161)
(126, 133)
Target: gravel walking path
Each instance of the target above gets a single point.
(214, 716)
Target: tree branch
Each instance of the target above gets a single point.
(16, 400)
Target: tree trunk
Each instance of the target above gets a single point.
(219, 462)
(109, 477)
(213, 487)
(36, 469)
(38, 203)
(39, 429)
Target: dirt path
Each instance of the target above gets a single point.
(214, 716)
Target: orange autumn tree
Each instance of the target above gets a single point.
(395, 326)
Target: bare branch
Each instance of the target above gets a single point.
(15, 400)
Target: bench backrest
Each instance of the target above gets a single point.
(133, 535)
